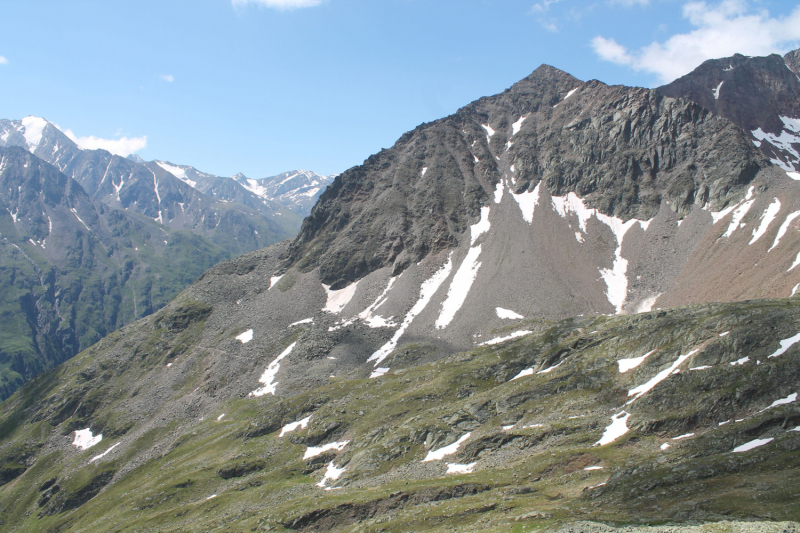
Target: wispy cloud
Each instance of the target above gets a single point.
(3, 61)
(544, 5)
(281, 5)
(123, 147)
(629, 3)
(169, 78)
(724, 29)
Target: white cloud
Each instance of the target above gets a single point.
(722, 30)
(281, 5)
(167, 77)
(3, 61)
(123, 147)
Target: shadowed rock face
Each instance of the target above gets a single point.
(754, 93)
(622, 149)
(792, 60)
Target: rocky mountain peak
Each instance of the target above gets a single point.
(623, 150)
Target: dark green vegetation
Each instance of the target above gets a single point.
(175, 452)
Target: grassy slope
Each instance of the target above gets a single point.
(391, 420)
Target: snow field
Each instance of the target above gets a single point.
(454, 468)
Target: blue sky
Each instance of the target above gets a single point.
(265, 86)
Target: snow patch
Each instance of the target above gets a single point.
(550, 369)
(178, 172)
(664, 446)
(684, 436)
(454, 468)
(515, 127)
(752, 444)
(375, 321)
(313, 451)
(437, 455)
(783, 401)
(785, 345)
(85, 440)
(498, 340)
(74, 212)
(646, 305)
(304, 321)
(617, 428)
(98, 457)
(794, 175)
(273, 280)
(522, 374)
(571, 93)
(740, 362)
(498, 191)
(245, 337)
(593, 468)
(739, 213)
(784, 228)
(459, 287)
(379, 372)
(489, 130)
(630, 364)
(507, 314)
(331, 474)
(641, 390)
(527, 202)
(269, 374)
(302, 424)
(715, 92)
(424, 170)
(766, 219)
(337, 300)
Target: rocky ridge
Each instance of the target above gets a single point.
(759, 94)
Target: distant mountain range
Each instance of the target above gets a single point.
(92, 241)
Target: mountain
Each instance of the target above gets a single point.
(296, 191)
(569, 301)
(759, 94)
(73, 270)
(149, 189)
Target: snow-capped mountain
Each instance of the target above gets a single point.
(297, 190)
(147, 188)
